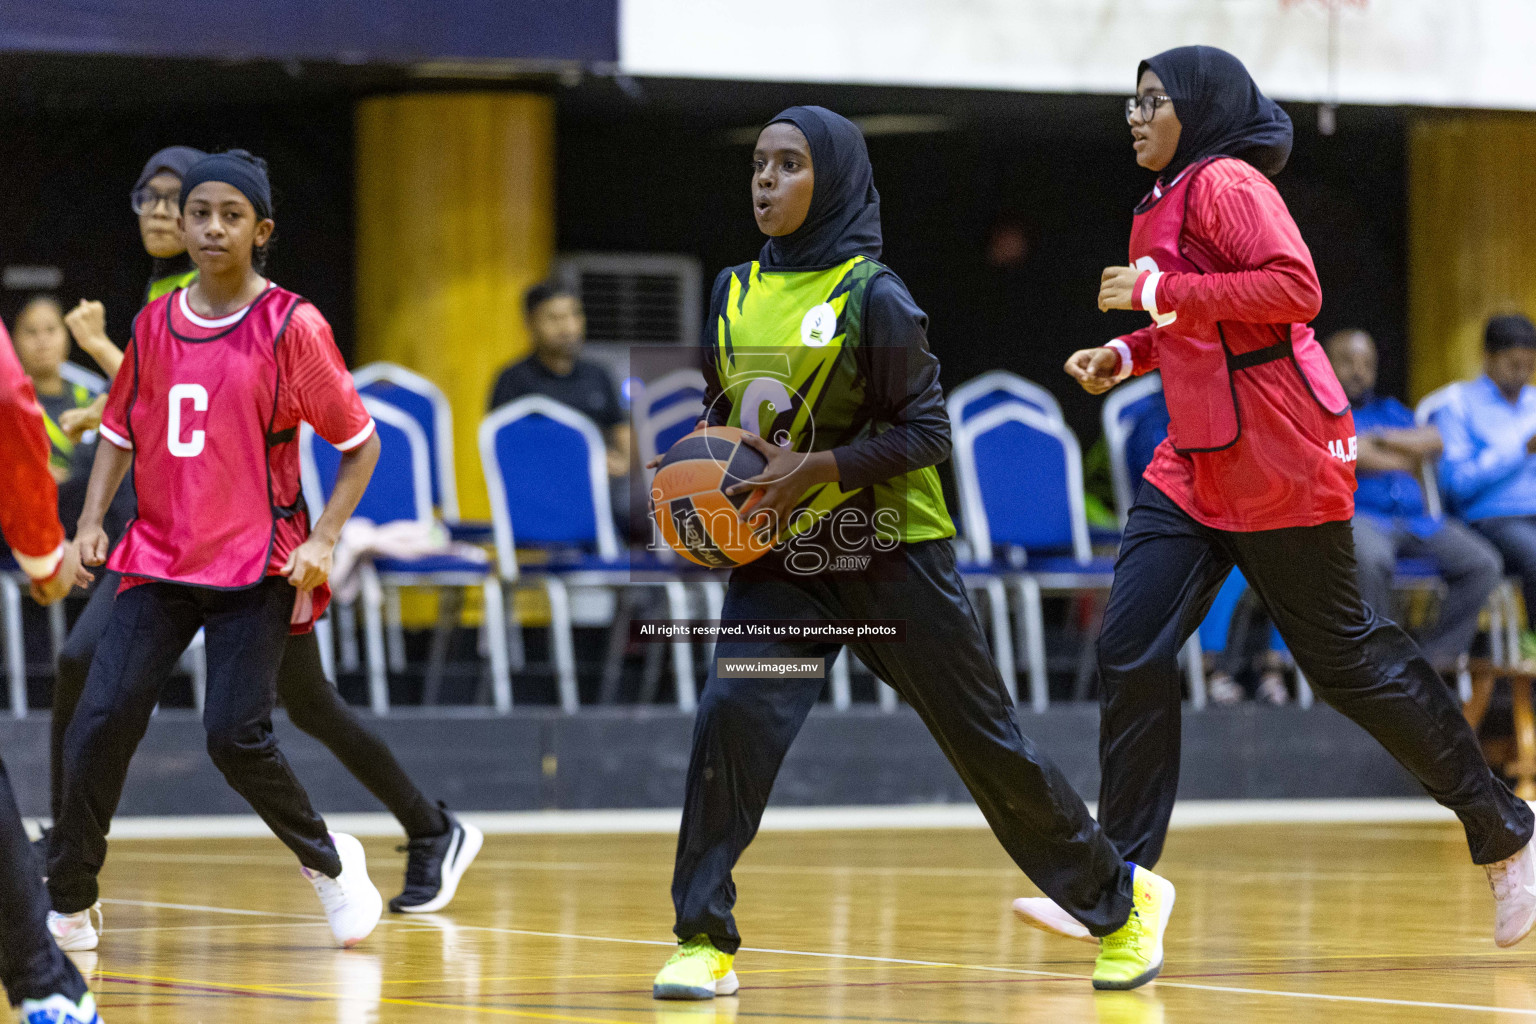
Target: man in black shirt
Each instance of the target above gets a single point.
(557, 326)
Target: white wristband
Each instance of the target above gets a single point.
(1149, 300)
(1126, 363)
(40, 567)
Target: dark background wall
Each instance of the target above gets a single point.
(662, 165)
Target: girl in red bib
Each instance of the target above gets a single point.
(206, 410)
(1257, 472)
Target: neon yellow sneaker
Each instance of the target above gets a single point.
(696, 971)
(1133, 956)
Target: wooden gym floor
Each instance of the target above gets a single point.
(1356, 923)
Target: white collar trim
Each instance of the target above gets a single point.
(202, 321)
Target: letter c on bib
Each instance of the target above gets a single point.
(198, 395)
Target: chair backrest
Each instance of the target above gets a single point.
(1424, 413)
(995, 387)
(1020, 476)
(547, 474)
(666, 409)
(401, 487)
(1127, 406)
(74, 373)
(425, 402)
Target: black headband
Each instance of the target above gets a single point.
(237, 168)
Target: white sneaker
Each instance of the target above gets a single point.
(352, 904)
(1042, 913)
(1513, 881)
(59, 1009)
(76, 933)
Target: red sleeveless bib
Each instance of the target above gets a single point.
(200, 420)
(1204, 364)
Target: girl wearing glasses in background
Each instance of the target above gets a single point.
(1257, 472)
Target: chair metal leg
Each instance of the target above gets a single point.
(889, 700)
(562, 641)
(682, 649)
(496, 634)
(325, 638)
(346, 632)
(1304, 696)
(1032, 633)
(618, 643)
(197, 658)
(373, 633)
(15, 653)
(714, 607)
(1495, 609)
(395, 629)
(1002, 636)
(450, 609)
(517, 655)
(1194, 671)
(1512, 623)
(58, 628)
(840, 680)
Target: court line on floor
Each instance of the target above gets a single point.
(193, 985)
(1234, 875)
(1188, 814)
(1169, 983)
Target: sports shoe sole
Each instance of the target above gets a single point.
(1530, 925)
(1080, 934)
(362, 867)
(453, 869)
(726, 986)
(1156, 968)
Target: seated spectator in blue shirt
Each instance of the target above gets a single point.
(1489, 427)
(1391, 520)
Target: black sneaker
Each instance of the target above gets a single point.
(434, 867)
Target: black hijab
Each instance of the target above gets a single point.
(844, 218)
(1221, 110)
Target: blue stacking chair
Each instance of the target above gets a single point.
(546, 471)
(666, 410)
(425, 403)
(998, 387)
(401, 489)
(1020, 477)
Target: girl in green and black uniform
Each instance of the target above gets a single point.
(440, 847)
(821, 349)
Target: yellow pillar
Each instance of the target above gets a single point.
(1471, 237)
(455, 219)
